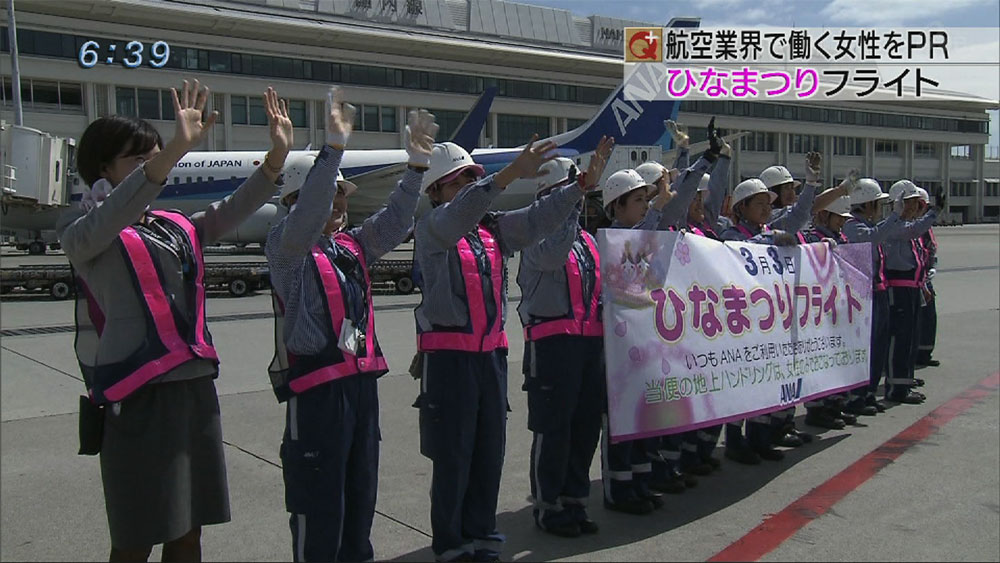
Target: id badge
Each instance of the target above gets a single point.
(350, 337)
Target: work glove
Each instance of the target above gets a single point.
(681, 140)
(714, 142)
(784, 238)
(419, 137)
(897, 206)
(339, 118)
(814, 166)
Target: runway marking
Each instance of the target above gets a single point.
(775, 530)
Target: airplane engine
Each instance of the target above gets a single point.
(255, 229)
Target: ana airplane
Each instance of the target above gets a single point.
(203, 177)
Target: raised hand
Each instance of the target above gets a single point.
(419, 137)
(726, 151)
(714, 142)
(597, 163)
(850, 183)
(282, 132)
(527, 163)
(188, 108)
(897, 206)
(339, 119)
(814, 163)
(680, 138)
(664, 194)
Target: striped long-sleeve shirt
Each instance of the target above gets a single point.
(290, 243)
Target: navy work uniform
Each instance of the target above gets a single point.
(327, 361)
(564, 373)
(462, 251)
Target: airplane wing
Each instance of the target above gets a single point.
(373, 189)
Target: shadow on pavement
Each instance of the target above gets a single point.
(725, 487)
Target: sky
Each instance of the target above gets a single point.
(807, 13)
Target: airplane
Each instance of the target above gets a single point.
(201, 178)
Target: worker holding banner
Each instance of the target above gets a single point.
(627, 467)
(563, 357)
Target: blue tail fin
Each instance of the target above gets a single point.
(631, 122)
(467, 134)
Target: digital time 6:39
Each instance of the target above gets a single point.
(158, 54)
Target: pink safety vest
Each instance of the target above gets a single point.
(291, 374)
(480, 335)
(882, 283)
(704, 231)
(165, 348)
(583, 319)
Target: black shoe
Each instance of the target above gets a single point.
(933, 363)
(806, 437)
(873, 402)
(562, 529)
(919, 394)
(858, 408)
(466, 556)
(656, 499)
(824, 419)
(702, 469)
(918, 382)
(670, 485)
(485, 555)
(713, 462)
(688, 480)
(909, 399)
(587, 526)
(636, 506)
(787, 439)
(847, 417)
(744, 456)
(771, 454)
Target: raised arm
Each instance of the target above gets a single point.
(550, 253)
(300, 230)
(526, 226)
(795, 218)
(913, 229)
(685, 187)
(225, 215)
(84, 236)
(718, 185)
(681, 142)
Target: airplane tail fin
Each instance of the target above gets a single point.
(467, 134)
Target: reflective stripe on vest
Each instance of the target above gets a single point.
(746, 232)
(582, 319)
(344, 363)
(882, 283)
(478, 337)
(158, 305)
(911, 278)
(703, 230)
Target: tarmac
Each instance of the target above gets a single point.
(939, 500)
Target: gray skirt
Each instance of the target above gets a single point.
(162, 463)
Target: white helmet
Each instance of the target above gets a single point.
(867, 190)
(651, 172)
(777, 175)
(447, 161)
(924, 196)
(906, 187)
(288, 189)
(840, 206)
(703, 183)
(621, 183)
(553, 172)
(750, 188)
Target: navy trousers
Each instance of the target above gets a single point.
(463, 424)
(329, 458)
(564, 378)
(928, 327)
(904, 303)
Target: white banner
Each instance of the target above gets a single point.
(699, 332)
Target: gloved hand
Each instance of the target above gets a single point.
(897, 206)
(784, 238)
(727, 151)
(814, 166)
(850, 183)
(339, 118)
(940, 199)
(681, 140)
(714, 142)
(419, 137)
(830, 242)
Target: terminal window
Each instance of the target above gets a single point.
(40, 94)
(849, 146)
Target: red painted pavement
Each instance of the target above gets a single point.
(773, 531)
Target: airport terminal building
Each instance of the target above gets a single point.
(552, 69)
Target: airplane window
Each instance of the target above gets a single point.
(232, 178)
(634, 156)
(211, 178)
(199, 179)
(177, 179)
(644, 156)
(189, 179)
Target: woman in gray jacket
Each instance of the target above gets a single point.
(142, 344)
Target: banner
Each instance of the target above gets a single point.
(699, 332)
